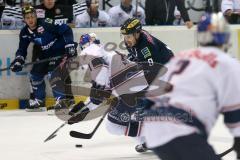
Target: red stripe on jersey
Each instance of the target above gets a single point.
(149, 38)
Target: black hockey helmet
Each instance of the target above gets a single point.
(130, 26)
(28, 9)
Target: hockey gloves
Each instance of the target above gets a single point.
(236, 146)
(98, 93)
(17, 64)
(77, 107)
(71, 50)
(81, 112)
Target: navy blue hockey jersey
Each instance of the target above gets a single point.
(152, 52)
(150, 49)
(51, 39)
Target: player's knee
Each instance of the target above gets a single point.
(115, 129)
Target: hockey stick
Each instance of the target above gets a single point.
(76, 134)
(35, 62)
(225, 152)
(53, 135)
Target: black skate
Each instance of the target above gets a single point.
(141, 148)
(36, 106)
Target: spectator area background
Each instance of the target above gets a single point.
(195, 7)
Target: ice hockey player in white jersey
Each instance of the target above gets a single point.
(125, 10)
(205, 83)
(117, 74)
(93, 16)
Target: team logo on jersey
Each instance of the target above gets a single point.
(120, 15)
(60, 21)
(57, 11)
(48, 20)
(125, 117)
(146, 52)
(40, 29)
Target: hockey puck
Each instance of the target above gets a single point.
(78, 145)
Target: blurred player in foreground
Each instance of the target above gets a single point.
(205, 83)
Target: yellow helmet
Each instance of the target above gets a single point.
(131, 25)
(28, 9)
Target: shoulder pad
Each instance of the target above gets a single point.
(48, 20)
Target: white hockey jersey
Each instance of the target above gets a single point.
(205, 83)
(83, 20)
(233, 5)
(119, 16)
(110, 68)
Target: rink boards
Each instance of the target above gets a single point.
(14, 87)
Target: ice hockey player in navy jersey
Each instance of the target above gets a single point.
(142, 46)
(54, 40)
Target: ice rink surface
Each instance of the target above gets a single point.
(22, 135)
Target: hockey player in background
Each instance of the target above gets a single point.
(57, 14)
(93, 17)
(54, 40)
(205, 83)
(120, 13)
(143, 47)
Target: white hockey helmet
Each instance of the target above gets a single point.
(87, 39)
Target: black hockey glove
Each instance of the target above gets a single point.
(236, 146)
(79, 116)
(71, 50)
(98, 93)
(17, 64)
(77, 107)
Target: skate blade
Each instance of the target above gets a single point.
(41, 109)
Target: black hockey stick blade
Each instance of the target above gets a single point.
(76, 134)
(53, 135)
(225, 152)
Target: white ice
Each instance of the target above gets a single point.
(22, 135)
